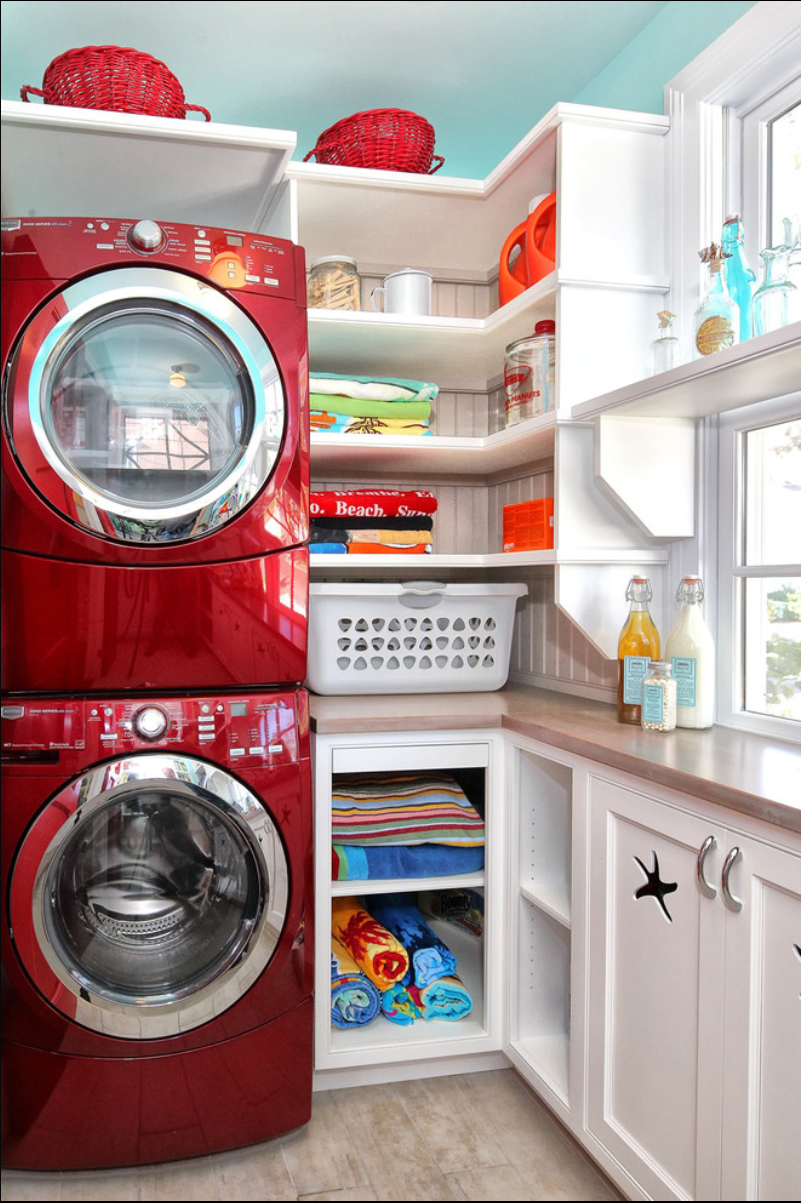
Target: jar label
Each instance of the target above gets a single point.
(653, 703)
(685, 670)
(714, 334)
(635, 669)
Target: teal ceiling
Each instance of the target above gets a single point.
(481, 73)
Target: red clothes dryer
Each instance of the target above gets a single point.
(155, 421)
(157, 929)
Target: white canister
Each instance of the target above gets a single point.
(407, 291)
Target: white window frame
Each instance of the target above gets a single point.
(732, 571)
(720, 107)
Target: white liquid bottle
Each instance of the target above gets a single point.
(691, 651)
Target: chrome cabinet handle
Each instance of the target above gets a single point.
(704, 886)
(734, 904)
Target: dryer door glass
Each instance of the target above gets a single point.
(155, 399)
(163, 897)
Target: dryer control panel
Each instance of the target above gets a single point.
(59, 248)
(252, 730)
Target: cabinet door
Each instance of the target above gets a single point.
(762, 1065)
(655, 999)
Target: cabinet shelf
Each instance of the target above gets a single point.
(462, 353)
(554, 900)
(139, 166)
(435, 455)
(406, 885)
(767, 366)
(515, 559)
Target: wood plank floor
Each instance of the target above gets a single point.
(474, 1136)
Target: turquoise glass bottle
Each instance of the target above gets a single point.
(740, 278)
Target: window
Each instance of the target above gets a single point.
(759, 569)
(736, 148)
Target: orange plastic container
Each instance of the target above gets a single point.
(536, 239)
(528, 526)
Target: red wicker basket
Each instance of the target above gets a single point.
(114, 78)
(386, 139)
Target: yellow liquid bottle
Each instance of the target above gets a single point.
(638, 644)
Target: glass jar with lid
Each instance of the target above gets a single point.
(659, 697)
(528, 374)
(333, 283)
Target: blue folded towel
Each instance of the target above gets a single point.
(359, 863)
(355, 1001)
(398, 1005)
(447, 998)
(328, 549)
(429, 957)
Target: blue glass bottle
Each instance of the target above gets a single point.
(740, 278)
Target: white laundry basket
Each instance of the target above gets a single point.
(417, 637)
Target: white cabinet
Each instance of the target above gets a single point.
(694, 1010)
(382, 1048)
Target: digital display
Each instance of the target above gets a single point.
(234, 240)
(239, 709)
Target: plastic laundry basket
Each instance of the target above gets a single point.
(418, 637)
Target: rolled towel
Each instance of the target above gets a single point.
(374, 949)
(431, 957)
(398, 1004)
(446, 998)
(355, 1001)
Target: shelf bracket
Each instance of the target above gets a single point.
(648, 466)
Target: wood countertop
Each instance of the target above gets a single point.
(751, 774)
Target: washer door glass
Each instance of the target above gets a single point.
(154, 897)
(156, 400)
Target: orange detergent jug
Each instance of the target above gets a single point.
(536, 239)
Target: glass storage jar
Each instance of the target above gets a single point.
(333, 283)
(659, 697)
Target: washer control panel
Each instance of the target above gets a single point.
(247, 730)
(61, 248)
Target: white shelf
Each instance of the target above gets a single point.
(554, 900)
(549, 1057)
(436, 455)
(764, 367)
(518, 559)
(453, 352)
(406, 885)
(65, 162)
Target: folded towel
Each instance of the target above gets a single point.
(349, 407)
(398, 1005)
(404, 808)
(371, 503)
(374, 388)
(374, 949)
(325, 423)
(355, 1001)
(384, 549)
(446, 998)
(421, 522)
(424, 860)
(431, 958)
(328, 549)
(400, 538)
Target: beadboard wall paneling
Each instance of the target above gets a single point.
(449, 298)
(462, 415)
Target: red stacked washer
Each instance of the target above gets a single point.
(154, 731)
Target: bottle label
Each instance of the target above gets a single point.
(685, 670)
(653, 703)
(714, 334)
(635, 669)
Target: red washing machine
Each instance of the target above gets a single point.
(155, 421)
(157, 942)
